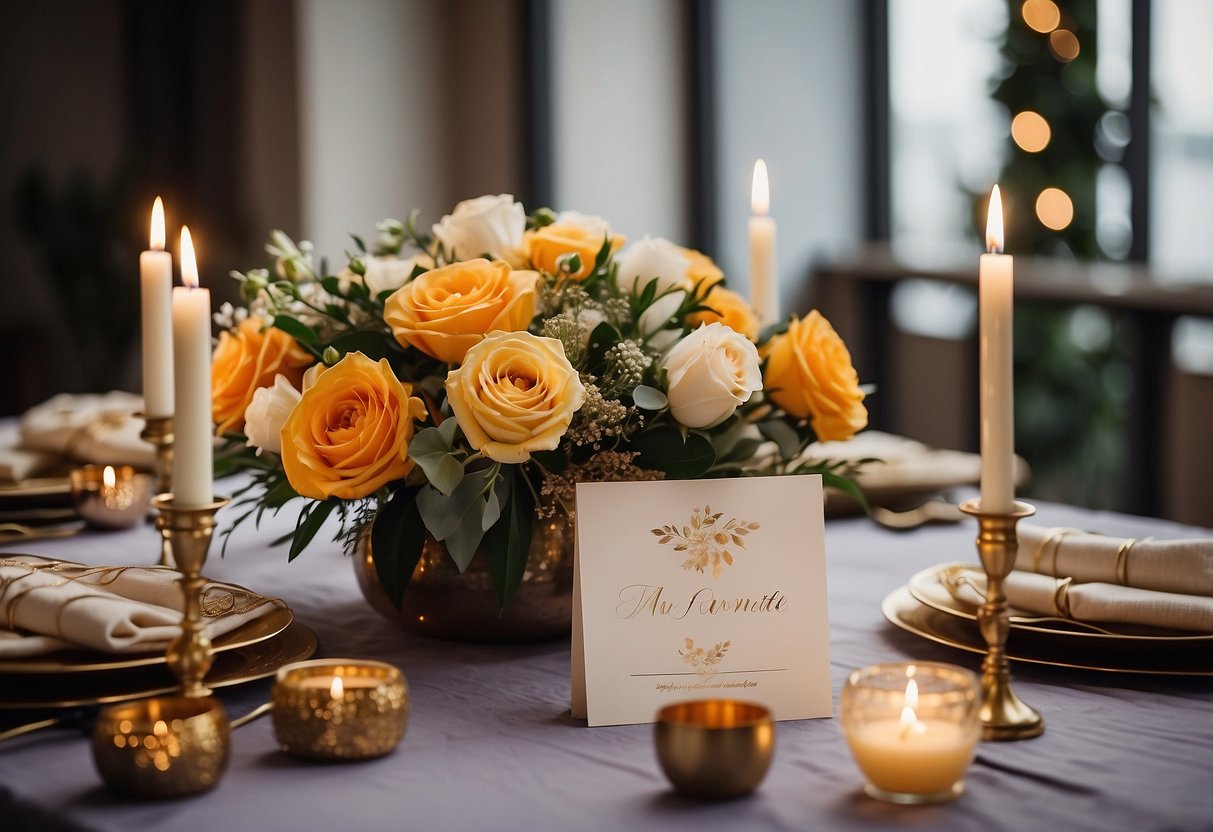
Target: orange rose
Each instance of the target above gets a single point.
(702, 269)
(246, 360)
(349, 434)
(809, 374)
(573, 233)
(448, 310)
(730, 309)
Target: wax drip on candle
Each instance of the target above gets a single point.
(337, 689)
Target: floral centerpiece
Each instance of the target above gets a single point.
(459, 383)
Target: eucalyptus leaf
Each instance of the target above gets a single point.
(783, 435)
(508, 542)
(649, 398)
(665, 449)
(456, 519)
(498, 497)
(431, 450)
(297, 329)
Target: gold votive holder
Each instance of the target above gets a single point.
(170, 746)
(110, 496)
(715, 749)
(340, 709)
(912, 728)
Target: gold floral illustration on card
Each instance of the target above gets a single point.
(706, 540)
(703, 660)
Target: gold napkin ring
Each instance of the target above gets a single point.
(1061, 597)
(1052, 536)
(1122, 561)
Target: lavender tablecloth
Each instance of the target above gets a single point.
(491, 744)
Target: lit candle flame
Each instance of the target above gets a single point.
(760, 191)
(337, 689)
(994, 223)
(189, 266)
(157, 232)
(108, 478)
(910, 725)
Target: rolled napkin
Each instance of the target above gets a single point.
(1183, 566)
(1090, 602)
(50, 605)
(97, 428)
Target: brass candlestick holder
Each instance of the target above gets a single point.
(188, 531)
(1003, 715)
(158, 432)
(172, 746)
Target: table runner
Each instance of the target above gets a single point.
(491, 744)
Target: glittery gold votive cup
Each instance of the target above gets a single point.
(715, 749)
(169, 746)
(340, 709)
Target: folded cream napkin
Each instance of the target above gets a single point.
(50, 605)
(1091, 602)
(97, 428)
(1183, 566)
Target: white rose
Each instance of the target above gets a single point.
(711, 371)
(654, 258)
(267, 413)
(387, 274)
(659, 314)
(485, 225)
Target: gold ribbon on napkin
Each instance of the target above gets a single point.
(1181, 566)
(54, 605)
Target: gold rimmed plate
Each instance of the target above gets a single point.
(1173, 658)
(930, 587)
(81, 661)
(234, 667)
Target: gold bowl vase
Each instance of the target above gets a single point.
(442, 603)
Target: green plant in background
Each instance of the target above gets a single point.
(77, 235)
(1071, 377)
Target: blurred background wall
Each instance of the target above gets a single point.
(883, 124)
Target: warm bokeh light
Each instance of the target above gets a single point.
(1064, 45)
(1030, 131)
(108, 478)
(760, 191)
(994, 222)
(1041, 15)
(337, 689)
(157, 235)
(189, 265)
(1054, 209)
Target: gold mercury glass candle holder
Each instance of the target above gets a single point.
(1004, 716)
(158, 432)
(912, 729)
(340, 709)
(110, 496)
(715, 749)
(172, 746)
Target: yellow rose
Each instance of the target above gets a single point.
(809, 374)
(445, 311)
(702, 268)
(572, 233)
(730, 309)
(349, 435)
(515, 393)
(246, 360)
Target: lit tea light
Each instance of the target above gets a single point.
(335, 709)
(913, 744)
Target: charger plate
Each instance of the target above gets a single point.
(930, 587)
(1147, 656)
(234, 667)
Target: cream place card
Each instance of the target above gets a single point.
(700, 589)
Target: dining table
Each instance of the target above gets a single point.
(491, 743)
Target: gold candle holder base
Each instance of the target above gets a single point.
(158, 432)
(169, 746)
(188, 531)
(1004, 716)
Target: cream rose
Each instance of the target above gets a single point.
(654, 258)
(711, 371)
(447, 310)
(515, 393)
(387, 274)
(268, 412)
(491, 225)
